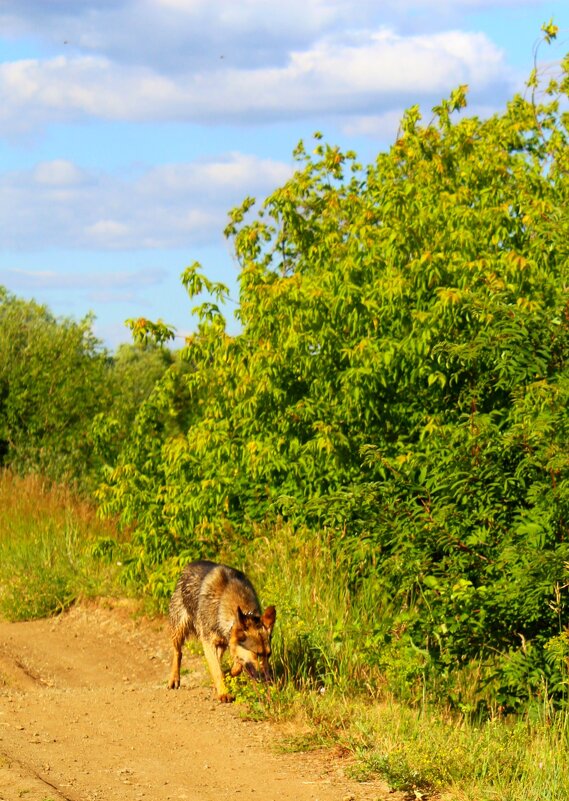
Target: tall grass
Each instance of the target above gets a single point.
(334, 690)
(46, 540)
(499, 760)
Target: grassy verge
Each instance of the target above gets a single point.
(429, 755)
(333, 689)
(46, 540)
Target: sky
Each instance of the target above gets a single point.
(130, 128)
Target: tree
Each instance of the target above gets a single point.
(56, 378)
(52, 382)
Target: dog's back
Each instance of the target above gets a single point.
(206, 598)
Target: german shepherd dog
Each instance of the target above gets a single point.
(218, 605)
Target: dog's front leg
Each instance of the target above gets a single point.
(213, 655)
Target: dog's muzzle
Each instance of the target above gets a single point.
(258, 674)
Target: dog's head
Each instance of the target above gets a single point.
(250, 643)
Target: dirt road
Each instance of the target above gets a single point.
(85, 716)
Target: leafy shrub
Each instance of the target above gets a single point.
(401, 380)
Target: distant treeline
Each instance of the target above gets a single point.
(55, 379)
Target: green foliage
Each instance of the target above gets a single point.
(131, 375)
(496, 761)
(401, 379)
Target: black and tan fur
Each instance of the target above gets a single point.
(218, 605)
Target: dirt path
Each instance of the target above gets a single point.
(85, 716)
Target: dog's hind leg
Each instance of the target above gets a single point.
(178, 639)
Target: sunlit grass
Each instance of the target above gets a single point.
(499, 760)
(318, 637)
(46, 540)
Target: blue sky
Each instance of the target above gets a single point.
(130, 128)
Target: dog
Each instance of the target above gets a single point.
(218, 605)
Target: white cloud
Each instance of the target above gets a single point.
(335, 76)
(231, 173)
(383, 63)
(175, 35)
(434, 6)
(59, 172)
(107, 233)
(59, 205)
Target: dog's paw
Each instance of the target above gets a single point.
(226, 698)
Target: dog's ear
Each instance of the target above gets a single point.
(241, 625)
(268, 618)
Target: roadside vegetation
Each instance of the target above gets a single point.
(383, 448)
(47, 540)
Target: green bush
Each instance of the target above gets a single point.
(401, 379)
